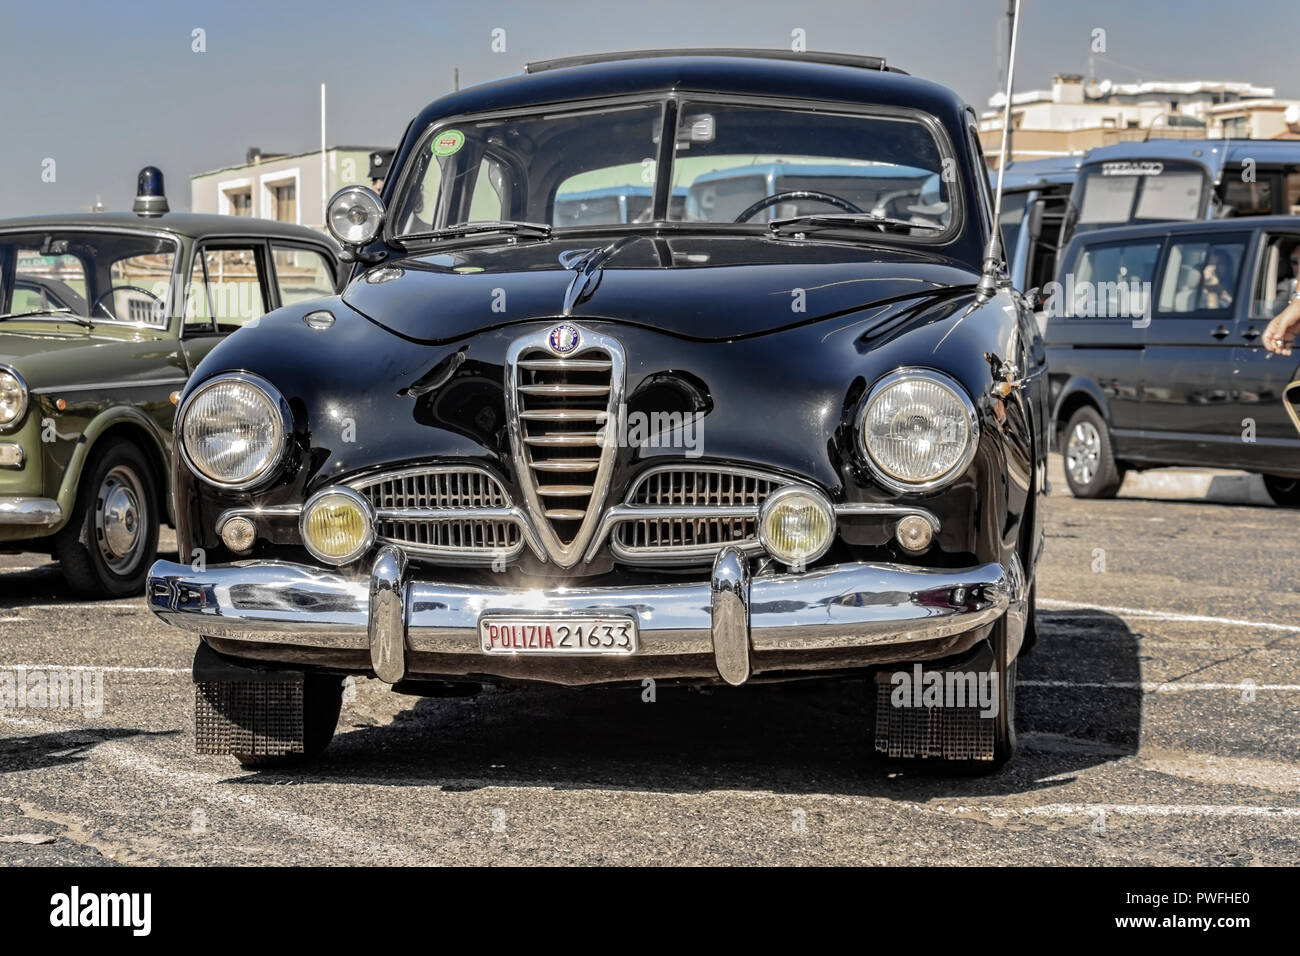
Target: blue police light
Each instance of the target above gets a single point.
(150, 195)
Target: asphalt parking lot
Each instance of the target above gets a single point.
(1157, 719)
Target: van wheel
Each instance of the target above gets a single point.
(1090, 468)
(106, 547)
(1284, 491)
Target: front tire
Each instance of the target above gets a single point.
(106, 547)
(1090, 468)
(1284, 491)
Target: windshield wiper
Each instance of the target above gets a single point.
(60, 311)
(834, 221)
(539, 229)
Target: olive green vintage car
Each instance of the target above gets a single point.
(102, 319)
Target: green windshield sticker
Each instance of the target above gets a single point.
(447, 142)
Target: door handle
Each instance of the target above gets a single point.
(1251, 334)
(1220, 333)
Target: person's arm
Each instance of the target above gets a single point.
(1281, 332)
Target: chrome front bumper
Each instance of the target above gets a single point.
(730, 627)
(30, 512)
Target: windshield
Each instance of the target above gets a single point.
(101, 276)
(599, 166)
(1121, 192)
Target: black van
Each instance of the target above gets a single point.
(1154, 339)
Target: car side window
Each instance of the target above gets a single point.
(226, 290)
(1276, 279)
(488, 201)
(301, 274)
(1201, 276)
(1113, 280)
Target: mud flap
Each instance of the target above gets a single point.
(245, 710)
(906, 730)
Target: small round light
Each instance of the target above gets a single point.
(918, 429)
(354, 215)
(238, 534)
(337, 525)
(914, 533)
(796, 525)
(233, 430)
(13, 396)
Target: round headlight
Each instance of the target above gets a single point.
(919, 429)
(234, 430)
(796, 525)
(354, 215)
(337, 525)
(13, 397)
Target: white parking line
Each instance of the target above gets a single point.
(1167, 615)
(85, 668)
(1125, 810)
(1157, 687)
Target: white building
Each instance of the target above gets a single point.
(280, 187)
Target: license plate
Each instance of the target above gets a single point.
(572, 634)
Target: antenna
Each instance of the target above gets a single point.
(993, 255)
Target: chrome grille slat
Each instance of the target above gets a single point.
(415, 509)
(673, 540)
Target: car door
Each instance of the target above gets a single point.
(1187, 414)
(1092, 335)
(1270, 441)
(230, 284)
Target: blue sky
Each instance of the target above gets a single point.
(108, 88)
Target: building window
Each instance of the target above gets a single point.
(284, 202)
(239, 202)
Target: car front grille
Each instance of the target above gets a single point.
(693, 535)
(558, 407)
(437, 492)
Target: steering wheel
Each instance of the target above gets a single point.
(792, 194)
(99, 299)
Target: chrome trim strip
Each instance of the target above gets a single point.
(99, 386)
(565, 556)
(828, 612)
(30, 512)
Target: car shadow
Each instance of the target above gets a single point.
(40, 582)
(801, 737)
(59, 748)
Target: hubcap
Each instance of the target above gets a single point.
(1083, 453)
(120, 517)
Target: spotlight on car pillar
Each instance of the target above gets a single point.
(150, 196)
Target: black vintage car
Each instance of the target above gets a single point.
(788, 439)
(1154, 339)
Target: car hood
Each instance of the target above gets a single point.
(699, 288)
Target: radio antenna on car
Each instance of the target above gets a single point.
(991, 273)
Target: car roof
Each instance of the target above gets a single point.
(1232, 224)
(717, 73)
(1035, 172)
(193, 225)
(1213, 154)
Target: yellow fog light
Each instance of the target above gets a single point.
(796, 525)
(337, 525)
